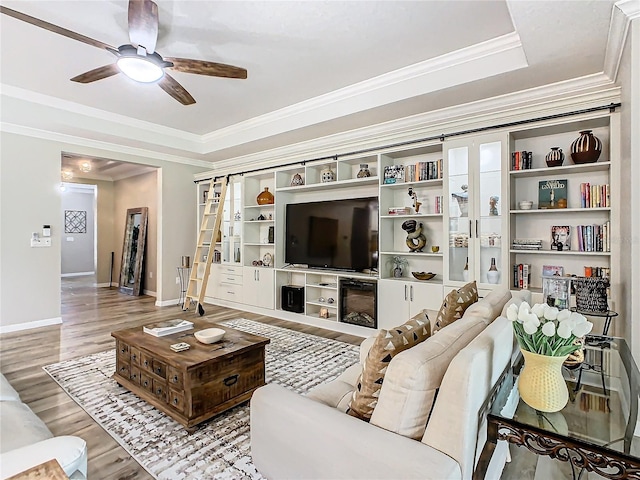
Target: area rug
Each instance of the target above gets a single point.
(220, 448)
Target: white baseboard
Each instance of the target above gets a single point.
(150, 293)
(167, 303)
(16, 327)
(102, 285)
(77, 274)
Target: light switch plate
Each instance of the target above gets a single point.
(40, 242)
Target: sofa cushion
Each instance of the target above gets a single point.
(18, 417)
(454, 305)
(337, 393)
(414, 376)
(490, 307)
(387, 345)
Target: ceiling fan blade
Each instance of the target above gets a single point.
(55, 28)
(202, 67)
(97, 74)
(143, 23)
(177, 91)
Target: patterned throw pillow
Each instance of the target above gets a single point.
(388, 344)
(454, 305)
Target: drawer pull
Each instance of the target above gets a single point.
(175, 379)
(146, 363)
(158, 391)
(175, 401)
(133, 357)
(230, 380)
(146, 383)
(159, 370)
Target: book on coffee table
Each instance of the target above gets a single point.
(167, 327)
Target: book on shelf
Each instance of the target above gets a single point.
(560, 237)
(594, 196)
(594, 238)
(526, 244)
(421, 171)
(601, 272)
(521, 275)
(167, 327)
(521, 160)
(552, 194)
(438, 204)
(549, 270)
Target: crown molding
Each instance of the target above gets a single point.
(495, 56)
(107, 146)
(133, 128)
(583, 92)
(624, 11)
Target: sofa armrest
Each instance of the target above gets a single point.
(70, 452)
(294, 437)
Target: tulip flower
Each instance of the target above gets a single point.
(564, 328)
(549, 329)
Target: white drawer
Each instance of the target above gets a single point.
(230, 270)
(232, 293)
(229, 279)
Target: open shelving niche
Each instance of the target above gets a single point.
(536, 223)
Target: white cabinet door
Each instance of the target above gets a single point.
(424, 295)
(393, 303)
(258, 287)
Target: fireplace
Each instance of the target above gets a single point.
(358, 301)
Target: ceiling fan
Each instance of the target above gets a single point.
(138, 60)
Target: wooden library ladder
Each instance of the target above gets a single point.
(206, 244)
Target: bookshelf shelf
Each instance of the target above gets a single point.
(559, 210)
(564, 170)
(564, 252)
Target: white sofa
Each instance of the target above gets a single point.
(444, 380)
(25, 441)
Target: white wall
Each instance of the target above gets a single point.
(78, 249)
(30, 198)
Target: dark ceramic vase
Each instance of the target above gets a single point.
(555, 157)
(586, 148)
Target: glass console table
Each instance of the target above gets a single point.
(594, 432)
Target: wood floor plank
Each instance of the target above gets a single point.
(89, 316)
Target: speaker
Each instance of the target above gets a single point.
(293, 298)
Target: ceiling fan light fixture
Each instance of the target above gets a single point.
(85, 166)
(140, 69)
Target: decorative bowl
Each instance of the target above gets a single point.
(423, 275)
(209, 335)
(525, 205)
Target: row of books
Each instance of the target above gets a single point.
(423, 171)
(594, 196)
(600, 272)
(594, 238)
(438, 204)
(526, 244)
(521, 275)
(521, 160)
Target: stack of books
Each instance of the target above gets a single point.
(594, 196)
(526, 244)
(521, 275)
(400, 210)
(594, 238)
(167, 327)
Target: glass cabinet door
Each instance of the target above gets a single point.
(232, 224)
(489, 218)
(458, 213)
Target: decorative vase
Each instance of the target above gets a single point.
(586, 148)
(493, 275)
(397, 272)
(327, 175)
(555, 157)
(541, 384)
(297, 180)
(364, 171)
(265, 197)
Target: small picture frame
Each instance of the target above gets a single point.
(324, 312)
(556, 291)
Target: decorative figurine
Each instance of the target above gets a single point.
(415, 238)
(416, 203)
(463, 200)
(493, 205)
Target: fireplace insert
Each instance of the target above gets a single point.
(358, 302)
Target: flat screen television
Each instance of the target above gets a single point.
(336, 234)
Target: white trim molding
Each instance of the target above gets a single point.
(623, 12)
(17, 327)
(77, 274)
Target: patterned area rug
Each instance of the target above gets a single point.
(220, 448)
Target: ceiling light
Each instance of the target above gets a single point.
(67, 175)
(140, 66)
(85, 167)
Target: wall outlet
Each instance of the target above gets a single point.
(177, 280)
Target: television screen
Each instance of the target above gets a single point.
(337, 234)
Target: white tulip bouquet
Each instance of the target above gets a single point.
(546, 330)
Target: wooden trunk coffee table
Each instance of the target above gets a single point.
(194, 385)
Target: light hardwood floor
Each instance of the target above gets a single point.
(89, 316)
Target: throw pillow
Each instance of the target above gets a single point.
(387, 344)
(455, 304)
